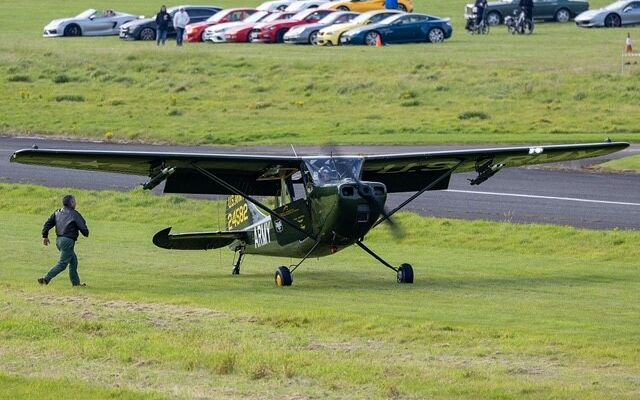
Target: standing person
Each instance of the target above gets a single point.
(480, 5)
(162, 22)
(68, 222)
(391, 4)
(180, 21)
(628, 44)
(527, 6)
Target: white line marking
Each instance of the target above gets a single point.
(533, 196)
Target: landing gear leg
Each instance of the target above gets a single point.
(404, 273)
(236, 266)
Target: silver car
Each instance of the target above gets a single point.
(308, 33)
(88, 23)
(626, 12)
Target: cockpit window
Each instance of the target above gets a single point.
(328, 170)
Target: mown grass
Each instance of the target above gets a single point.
(626, 164)
(560, 85)
(497, 311)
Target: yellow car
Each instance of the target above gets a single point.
(331, 35)
(366, 5)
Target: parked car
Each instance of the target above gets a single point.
(242, 34)
(301, 5)
(308, 33)
(275, 5)
(195, 31)
(330, 36)
(216, 33)
(614, 15)
(402, 28)
(88, 23)
(145, 29)
(273, 32)
(549, 10)
(366, 5)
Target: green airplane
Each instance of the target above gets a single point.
(342, 199)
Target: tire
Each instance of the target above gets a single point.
(202, 39)
(562, 16)
(250, 36)
(494, 18)
(147, 34)
(435, 35)
(612, 21)
(343, 8)
(280, 35)
(371, 38)
(405, 273)
(283, 277)
(72, 30)
(402, 7)
(313, 38)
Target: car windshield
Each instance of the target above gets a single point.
(390, 20)
(301, 15)
(362, 18)
(218, 16)
(330, 18)
(327, 170)
(86, 14)
(616, 5)
(255, 17)
(275, 17)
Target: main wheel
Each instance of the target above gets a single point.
(436, 35)
(148, 34)
(343, 8)
(283, 277)
(371, 39)
(494, 18)
(405, 273)
(612, 21)
(72, 30)
(562, 15)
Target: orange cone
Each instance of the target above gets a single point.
(379, 41)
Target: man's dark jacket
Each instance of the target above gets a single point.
(68, 223)
(526, 3)
(162, 20)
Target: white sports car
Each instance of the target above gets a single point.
(275, 5)
(88, 23)
(626, 12)
(305, 4)
(216, 33)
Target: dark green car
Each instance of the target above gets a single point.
(549, 10)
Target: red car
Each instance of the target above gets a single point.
(242, 34)
(274, 31)
(196, 31)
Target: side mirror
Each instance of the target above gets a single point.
(92, 17)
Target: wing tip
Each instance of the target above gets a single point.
(161, 239)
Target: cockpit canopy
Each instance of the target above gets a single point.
(331, 170)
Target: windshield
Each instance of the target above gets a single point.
(217, 16)
(616, 5)
(301, 15)
(390, 20)
(255, 17)
(329, 19)
(276, 16)
(327, 170)
(86, 14)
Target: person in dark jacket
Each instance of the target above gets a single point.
(527, 6)
(162, 21)
(68, 223)
(480, 5)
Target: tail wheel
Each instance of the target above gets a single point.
(612, 21)
(283, 277)
(343, 8)
(148, 34)
(372, 38)
(405, 273)
(494, 18)
(562, 15)
(436, 35)
(313, 38)
(72, 30)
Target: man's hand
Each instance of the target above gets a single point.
(45, 241)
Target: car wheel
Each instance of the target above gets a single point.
(436, 35)
(251, 35)
(72, 30)
(280, 35)
(343, 8)
(313, 38)
(402, 7)
(202, 39)
(371, 39)
(494, 18)
(148, 34)
(612, 21)
(563, 15)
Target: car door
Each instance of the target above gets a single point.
(97, 24)
(631, 13)
(544, 9)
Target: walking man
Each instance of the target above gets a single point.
(68, 222)
(180, 21)
(162, 22)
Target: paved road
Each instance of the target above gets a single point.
(564, 194)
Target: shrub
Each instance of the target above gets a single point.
(70, 97)
(19, 78)
(473, 115)
(410, 103)
(62, 78)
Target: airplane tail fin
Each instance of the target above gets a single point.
(241, 213)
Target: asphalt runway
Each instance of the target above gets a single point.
(562, 194)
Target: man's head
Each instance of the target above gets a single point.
(163, 8)
(69, 201)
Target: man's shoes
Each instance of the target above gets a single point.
(43, 281)
(80, 285)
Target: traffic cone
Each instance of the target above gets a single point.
(379, 41)
(629, 44)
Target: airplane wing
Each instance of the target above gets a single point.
(411, 172)
(198, 240)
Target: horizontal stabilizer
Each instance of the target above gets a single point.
(197, 240)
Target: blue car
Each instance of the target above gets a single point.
(401, 28)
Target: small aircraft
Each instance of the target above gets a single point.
(342, 197)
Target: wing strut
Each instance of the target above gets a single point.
(258, 204)
(415, 195)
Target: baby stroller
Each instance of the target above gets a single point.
(474, 27)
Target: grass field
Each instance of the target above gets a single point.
(562, 84)
(626, 164)
(498, 311)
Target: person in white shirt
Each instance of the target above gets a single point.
(180, 21)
